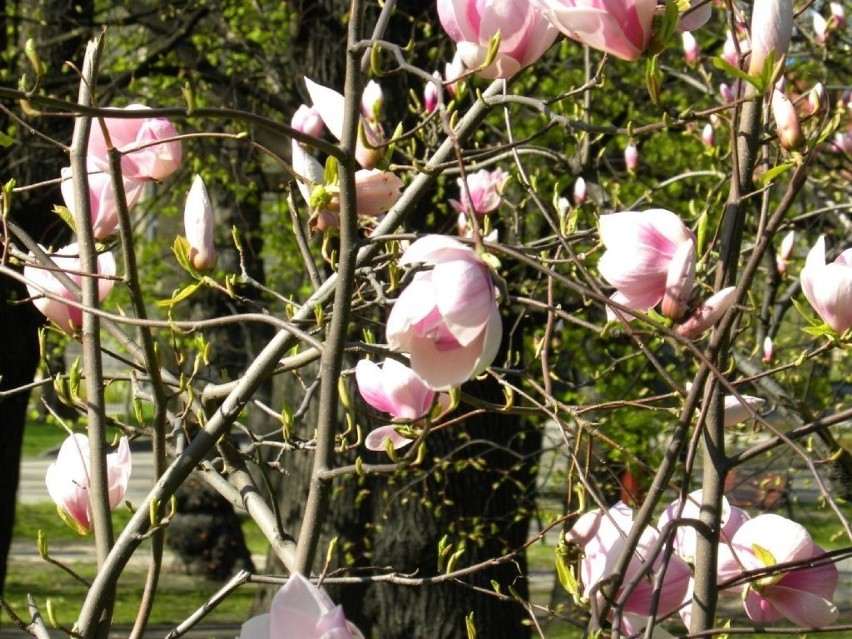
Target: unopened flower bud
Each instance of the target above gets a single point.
(785, 252)
(787, 121)
(430, 96)
(372, 101)
(580, 193)
(768, 350)
(691, 50)
(307, 120)
(771, 30)
(710, 312)
(631, 157)
(726, 93)
(817, 98)
(838, 14)
(708, 135)
(198, 224)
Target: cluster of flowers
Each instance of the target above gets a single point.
(150, 151)
(376, 190)
(770, 561)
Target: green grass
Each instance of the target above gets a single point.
(41, 436)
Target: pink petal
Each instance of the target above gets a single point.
(465, 297)
(377, 437)
(330, 105)
(804, 609)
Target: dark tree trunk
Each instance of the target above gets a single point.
(31, 160)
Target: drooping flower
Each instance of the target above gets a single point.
(102, 201)
(524, 33)
(67, 478)
(154, 162)
(640, 248)
(395, 389)
(485, 189)
(198, 225)
(771, 30)
(801, 595)
(41, 280)
(602, 537)
(300, 610)
(619, 27)
(828, 287)
(447, 317)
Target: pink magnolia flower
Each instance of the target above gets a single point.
(198, 224)
(40, 280)
(828, 287)
(396, 389)
(524, 33)
(602, 536)
(771, 30)
(155, 162)
(768, 350)
(300, 610)
(737, 412)
(802, 595)
(307, 120)
(67, 478)
(619, 27)
(447, 317)
(430, 95)
(640, 249)
(686, 539)
(330, 104)
(485, 188)
(104, 210)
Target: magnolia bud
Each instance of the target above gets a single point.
(691, 50)
(307, 120)
(785, 252)
(838, 14)
(198, 224)
(817, 98)
(707, 135)
(631, 157)
(430, 95)
(820, 28)
(726, 93)
(710, 312)
(771, 30)
(679, 281)
(580, 194)
(768, 350)
(787, 121)
(372, 100)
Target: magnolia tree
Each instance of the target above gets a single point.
(713, 291)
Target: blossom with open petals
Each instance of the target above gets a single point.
(524, 33)
(640, 250)
(801, 595)
(67, 478)
(154, 162)
(102, 200)
(447, 317)
(619, 27)
(41, 280)
(602, 537)
(485, 190)
(300, 610)
(828, 287)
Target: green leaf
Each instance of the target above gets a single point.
(72, 523)
(774, 172)
(65, 214)
(331, 172)
(730, 69)
(181, 251)
(5, 140)
(179, 296)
